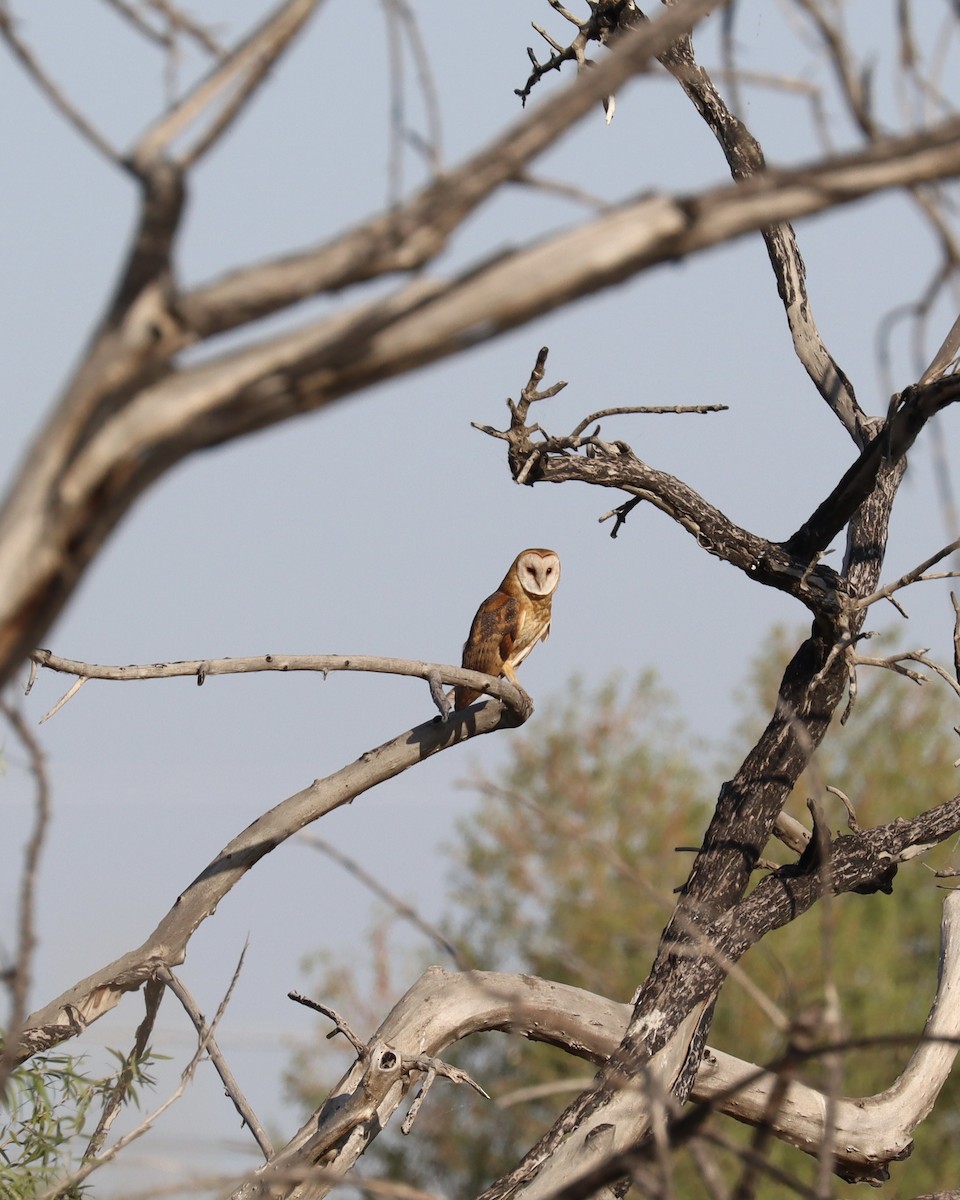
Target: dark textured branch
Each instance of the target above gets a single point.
(911, 411)
(862, 862)
(668, 1012)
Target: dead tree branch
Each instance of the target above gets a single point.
(443, 1007)
(17, 973)
(201, 668)
(69, 1014)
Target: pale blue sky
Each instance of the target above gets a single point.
(377, 527)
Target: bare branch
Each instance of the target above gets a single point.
(214, 1053)
(332, 1015)
(238, 76)
(70, 1013)
(917, 575)
(46, 84)
(17, 974)
(202, 668)
(745, 159)
(443, 1007)
(400, 907)
(68, 695)
(653, 409)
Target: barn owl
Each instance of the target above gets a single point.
(509, 623)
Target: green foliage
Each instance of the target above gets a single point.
(567, 870)
(46, 1110)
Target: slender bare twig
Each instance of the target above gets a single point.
(433, 147)
(653, 409)
(53, 92)
(17, 975)
(182, 22)
(215, 1054)
(139, 22)
(894, 662)
(67, 695)
(918, 574)
(341, 1026)
(403, 910)
(396, 105)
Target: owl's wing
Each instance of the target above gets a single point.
(492, 636)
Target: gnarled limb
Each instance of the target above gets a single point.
(444, 1007)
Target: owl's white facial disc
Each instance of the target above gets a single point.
(539, 572)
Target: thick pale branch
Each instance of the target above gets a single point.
(442, 1008)
(417, 231)
(70, 1013)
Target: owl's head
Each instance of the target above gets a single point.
(537, 571)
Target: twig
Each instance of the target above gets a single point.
(18, 975)
(917, 575)
(408, 1120)
(182, 21)
(621, 512)
(400, 907)
(852, 823)
(71, 691)
(50, 89)
(361, 1049)
(895, 663)
(650, 408)
(214, 1053)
